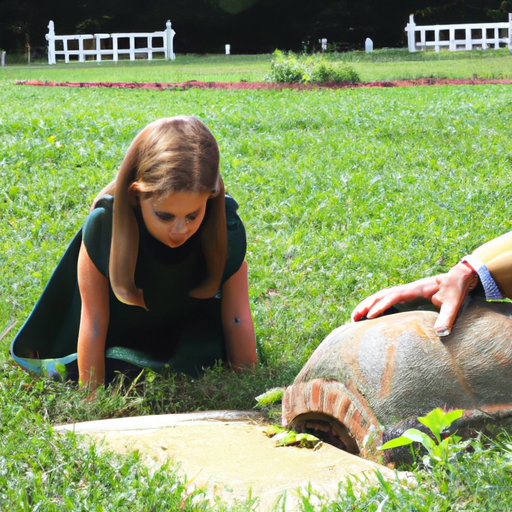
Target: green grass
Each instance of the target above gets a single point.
(376, 66)
(342, 192)
(218, 68)
(499, 67)
(400, 64)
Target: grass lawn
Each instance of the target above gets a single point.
(225, 68)
(342, 193)
(376, 66)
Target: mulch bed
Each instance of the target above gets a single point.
(194, 84)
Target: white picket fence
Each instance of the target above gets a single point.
(98, 46)
(469, 36)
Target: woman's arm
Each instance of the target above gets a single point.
(447, 291)
(237, 320)
(497, 257)
(94, 321)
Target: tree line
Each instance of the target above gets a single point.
(249, 26)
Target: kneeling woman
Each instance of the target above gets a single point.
(161, 279)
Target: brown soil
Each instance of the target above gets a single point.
(194, 84)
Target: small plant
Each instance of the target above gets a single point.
(280, 435)
(292, 68)
(325, 71)
(270, 397)
(268, 402)
(286, 68)
(284, 437)
(441, 452)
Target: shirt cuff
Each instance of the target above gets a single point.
(492, 292)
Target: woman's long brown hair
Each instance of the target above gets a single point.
(175, 154)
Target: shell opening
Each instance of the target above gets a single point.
(328, 429)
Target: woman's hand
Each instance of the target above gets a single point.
(374, 305)
(446, 291)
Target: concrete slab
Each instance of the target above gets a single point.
(227, 453)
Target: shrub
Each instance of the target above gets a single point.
(286, 68)
(329, 72)
(291, 67)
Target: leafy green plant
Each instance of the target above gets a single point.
(443, 449)
(284, 437)
(270, 397)
(293, 68)
(324, 71)
(286, 68)
(269, 402)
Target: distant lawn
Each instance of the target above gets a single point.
(375, 66)
(223, 68)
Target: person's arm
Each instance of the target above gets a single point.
(491, 264)
(447, 291)
(237, 321)
(497, 257)
(94, 292)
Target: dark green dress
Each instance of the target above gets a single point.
(177, 331)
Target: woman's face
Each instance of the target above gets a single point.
(174, 218)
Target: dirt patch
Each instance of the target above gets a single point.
(194, 84)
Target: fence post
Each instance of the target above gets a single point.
(469, 41)
(115, 53)
(50, 37)
(81, 55)
(227, 49)
(510, 31)
(169, 45)
(97, 47)
(3, 59)
(453, 45)
(411, 33)
(436, 40)
(66, 50)
(132, 47)
(98, 38)
(150, 47)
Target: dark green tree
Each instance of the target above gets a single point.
(250, 26)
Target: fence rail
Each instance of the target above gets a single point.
(467, 36)
(98, 46)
